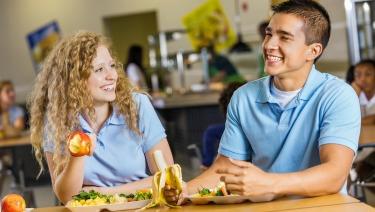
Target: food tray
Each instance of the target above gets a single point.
(230, 199)
(110, 207)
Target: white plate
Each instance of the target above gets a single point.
(231, 199)
(111, 207)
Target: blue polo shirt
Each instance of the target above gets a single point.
(119, 156)
(14, 112)
(257, 129)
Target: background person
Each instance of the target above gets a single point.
(364, 85)
(212, 135)
(134, 67)
(221, 69)
(12, 120)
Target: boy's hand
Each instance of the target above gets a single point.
(245, 179)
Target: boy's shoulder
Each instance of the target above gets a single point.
(252, 88)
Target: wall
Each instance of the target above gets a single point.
(20, 17)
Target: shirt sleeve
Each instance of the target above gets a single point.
(18, 112)
(149, 124)
(233, 143)
(341, 119)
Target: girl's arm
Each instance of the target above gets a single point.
(69, 182)
(144, 183)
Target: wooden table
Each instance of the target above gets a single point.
(367, 134)
(351, 207)
(13, 142)
(336, 202)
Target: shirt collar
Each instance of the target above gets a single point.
(313, 81)
(116, 118)
(264, 94)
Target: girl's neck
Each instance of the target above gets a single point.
(102, 112)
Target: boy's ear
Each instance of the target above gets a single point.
(314, 50)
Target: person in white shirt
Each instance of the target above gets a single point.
(364, 85)
(134, 68)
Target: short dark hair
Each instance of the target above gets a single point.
(317, 22)
(370, 62)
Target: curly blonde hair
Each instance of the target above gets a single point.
(60, 94)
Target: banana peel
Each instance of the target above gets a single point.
(171, 176)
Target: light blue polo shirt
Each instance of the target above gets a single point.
(14, 112)
(257, 129)
(119, 156)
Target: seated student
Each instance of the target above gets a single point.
(212, 134)
(82, 87)
(12, 120)
(294, 132)
(364, 85)
(12, 117)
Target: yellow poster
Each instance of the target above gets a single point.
(208, 25)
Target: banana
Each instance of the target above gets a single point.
(167, 175)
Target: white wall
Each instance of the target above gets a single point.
(20, 17)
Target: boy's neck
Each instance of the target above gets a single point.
(292, 81)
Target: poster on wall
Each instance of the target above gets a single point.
(208, 25)
(41, 42)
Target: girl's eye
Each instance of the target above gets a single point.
(99, 69)
(113, 65)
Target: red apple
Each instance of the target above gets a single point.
(13, 203)
(79, 144)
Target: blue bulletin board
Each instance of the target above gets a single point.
(42, 41)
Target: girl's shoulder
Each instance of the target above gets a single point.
(140, 97)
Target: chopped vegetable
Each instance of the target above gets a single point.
(95, 198)
(204, 192)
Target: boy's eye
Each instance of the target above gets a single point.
(113, 65)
